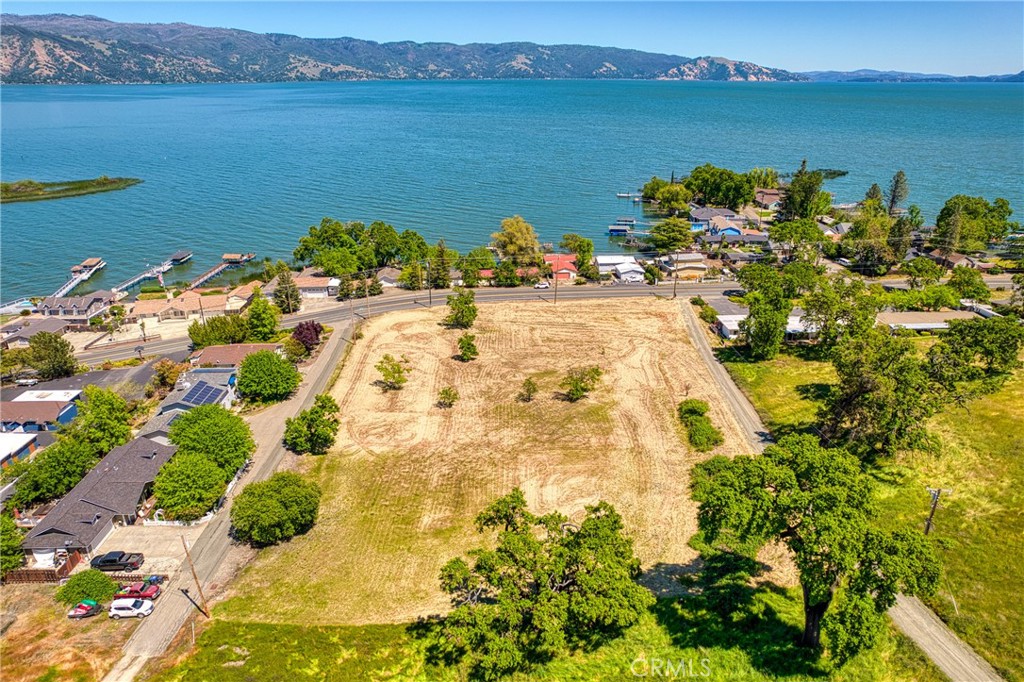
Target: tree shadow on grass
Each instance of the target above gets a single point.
(816, 392)
(726, 609)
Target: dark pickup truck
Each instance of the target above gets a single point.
(118, 561)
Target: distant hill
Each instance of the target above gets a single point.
(60, 48)
(873, 76)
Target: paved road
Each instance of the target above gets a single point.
(949, 653)
(154, 634)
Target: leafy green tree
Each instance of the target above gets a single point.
(764, 178)
(579, 381)
(507, 275)
(275, 510)
(313, 431)
(765, 324)
(995, 342)
(674, 199)
(167, 371)
(263, 318)
(53, 472)
(392, 372)
(103, 421)
(412, 277)
(272, 270)
(721, 186)
(819, 504)
(517, 241)
(473, 262)
(462, 309)
(52, 356)
(970, 223)
(412, 247)
(874, 193)
(14, 360)
(528, 391)
(89, 584)
(799, 233)
(1017, 296)
(447, 397)
(802, 197)
(467, 348)
(869, 239)
(838, 307)
(921, 272)
(898, 192)
(188, 486)
(440, 264)
(884, 396)
(293, 349)
(652, 187)
(220, 330)
(583, 249)
(969, 283)
(336, 262)
(216, 434)
(670, 236)
(799, 277)
(267, 377)
(308, 334)
(286, 296)
(385, 242)
(11, 556)
(544, 589)
(901, 233)
(329, 235)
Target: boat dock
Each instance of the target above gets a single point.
(628, 195)
(79, 274)
(177, 258)
(228, 261)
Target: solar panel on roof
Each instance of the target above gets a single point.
(204, 394)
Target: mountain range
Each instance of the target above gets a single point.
(61, 48)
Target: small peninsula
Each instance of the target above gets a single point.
(31, 190)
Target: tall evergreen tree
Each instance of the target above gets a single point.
(898, 192)
(287, 296)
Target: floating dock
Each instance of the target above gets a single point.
(177, 258)
(628, 195)
(79, 274)
(228, 261)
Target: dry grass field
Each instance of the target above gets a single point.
(406, 477)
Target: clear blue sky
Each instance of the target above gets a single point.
(944, 37)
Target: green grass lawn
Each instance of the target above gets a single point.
(754, 644)
(979, 527)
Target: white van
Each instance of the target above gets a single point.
(845, 262)
(131, 608)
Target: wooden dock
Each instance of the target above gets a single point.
(154, 272)
(228, 261)
(79, 274)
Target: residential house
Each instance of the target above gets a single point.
(683, 265)
(30, 416)
(563, 266)
(952, 260)
(317, 286)
(922, 320)
(14, 447)
(78, 309)
(159, 427)
(630, 273)
(729, 327)
(240, 297)
(700, 216)
(109, 495)
(769, 199)
(388, 277)
(18, 333)
(201, 386)
(606, 264)
(230, 355)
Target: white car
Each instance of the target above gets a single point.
(542, 285)
(130, 608)
(26, 382)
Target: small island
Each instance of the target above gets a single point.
(31, 190)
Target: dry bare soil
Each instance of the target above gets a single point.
(406, 478)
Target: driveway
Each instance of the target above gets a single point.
(161, 545)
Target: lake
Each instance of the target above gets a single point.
(249, 167)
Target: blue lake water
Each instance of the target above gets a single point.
(232, 168)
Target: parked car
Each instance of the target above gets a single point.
(138, 591)
(118, 561)
(130, 608)
(542, 285)
(84, 609)
(26, 382)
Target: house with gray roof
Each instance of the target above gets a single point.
(201, 386)
(77, 308)
(18, 333)
(109, 495)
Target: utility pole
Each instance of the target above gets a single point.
(366, 294)
(195, 577)
(430, 288)
(556, 289)
(935, 493)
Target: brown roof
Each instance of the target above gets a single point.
(231, 256)
(311, 282)
(229, 356)
(246, 290)
(40, 412)
(189, 302)
(150, 307)
(91, 262)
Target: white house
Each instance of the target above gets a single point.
(629, 272)
(606, 264)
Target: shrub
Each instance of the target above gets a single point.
(267, 377)
(447, 396)
(308, 334)
(467, 348)
(314, 430)
(283, 506)
(462, 309)
(698, 301)
(692, 408)
(223, 329)
(294, 351)
(166, 372)
(11, 556)
(580, 381)
(216, 434)
(188, 486)
(90, 584)
(703, 434)
(528, 391)
(392, 372)
(708, 314)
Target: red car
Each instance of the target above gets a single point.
(84, 609)
(138, 591)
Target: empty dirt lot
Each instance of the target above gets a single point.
(406, 477)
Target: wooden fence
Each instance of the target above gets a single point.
(44, 575)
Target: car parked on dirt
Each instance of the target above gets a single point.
(118, 561)
(138, 591)
(84, 609)
(130, 608)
